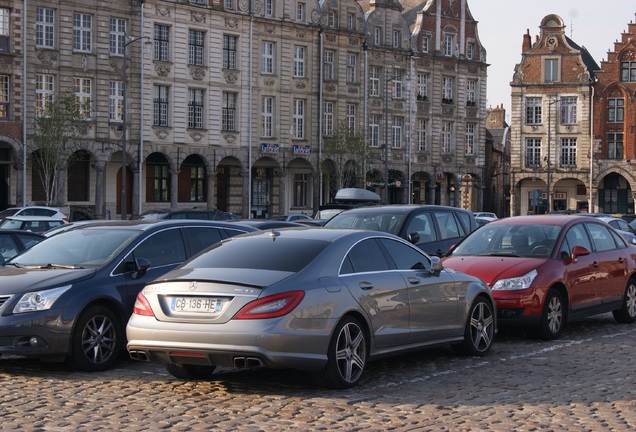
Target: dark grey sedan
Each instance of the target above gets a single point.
(433, 228)
(320, 300)
(69, 296)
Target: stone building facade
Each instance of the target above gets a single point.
(614, 127)
(551, 114)
(228, 102)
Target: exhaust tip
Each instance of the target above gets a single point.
(139, 356)
(247, 362)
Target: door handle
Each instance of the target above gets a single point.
(413, 280)
(364, 285)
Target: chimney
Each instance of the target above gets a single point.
(527, 41)
(496, 117)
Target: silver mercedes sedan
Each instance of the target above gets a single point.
(322, 300)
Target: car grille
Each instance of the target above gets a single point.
(3, 300)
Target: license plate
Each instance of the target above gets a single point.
(195, 304)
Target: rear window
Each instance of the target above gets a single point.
(8, 212)
(281, 254)
(385, 222)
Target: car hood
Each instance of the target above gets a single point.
(17, 280)
(492, 268)
(253, 277)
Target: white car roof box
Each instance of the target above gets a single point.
(356, 195)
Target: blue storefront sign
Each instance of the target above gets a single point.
(305, 150)
(269, 148)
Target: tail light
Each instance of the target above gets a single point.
(273, 306)
(142, 306)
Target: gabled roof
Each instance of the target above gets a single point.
(588, 60)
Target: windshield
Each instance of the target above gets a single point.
(11, 224)
(328, 213)
(510, 240)
(386, 222)
(79, 248)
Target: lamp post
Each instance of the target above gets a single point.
(551, 101)
(124, 149)
(387, 79)
(386, 140)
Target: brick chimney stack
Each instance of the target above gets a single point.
(496, 117)
(527, 41)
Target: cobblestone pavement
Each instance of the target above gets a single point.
(583, 382)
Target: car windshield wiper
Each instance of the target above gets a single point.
(504, 254)
(52, 266)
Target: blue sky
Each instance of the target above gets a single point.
(502, 24)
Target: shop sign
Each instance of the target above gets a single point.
(269, 148)
(304, 150)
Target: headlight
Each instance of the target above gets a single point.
(39, 300)
(516, 283)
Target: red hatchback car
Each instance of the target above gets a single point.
(547, 270)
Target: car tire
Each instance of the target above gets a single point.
(346, 357)
(190, 372)
(96, 341)
(480, 330)
(627, 313)
(553, 317)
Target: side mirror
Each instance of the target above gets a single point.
(414, 237)
(578, 251)
(141, 267)
(436, 265)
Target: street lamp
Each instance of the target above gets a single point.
(386, 141)
(386, 136)
(124, 149)
(551, 101)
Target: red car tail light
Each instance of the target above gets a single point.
(142, 306)
(273, 306)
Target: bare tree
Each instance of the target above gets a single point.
(349, 153)
(52, 144)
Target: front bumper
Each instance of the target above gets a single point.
(35, 334)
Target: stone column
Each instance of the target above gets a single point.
(21, 172)
(432, 186)
(246, 198)
(282, 201)
(99, 167)
(513, 201)
(61, 187)
(210, 188)
(174, 188)
(135, 189)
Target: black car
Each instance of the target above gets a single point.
(266, 224)
(198, 214)
(70, 296)
(12, 242)
(432, 228)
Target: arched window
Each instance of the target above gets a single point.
(157, 178)
(192, 180)
(79, 176)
